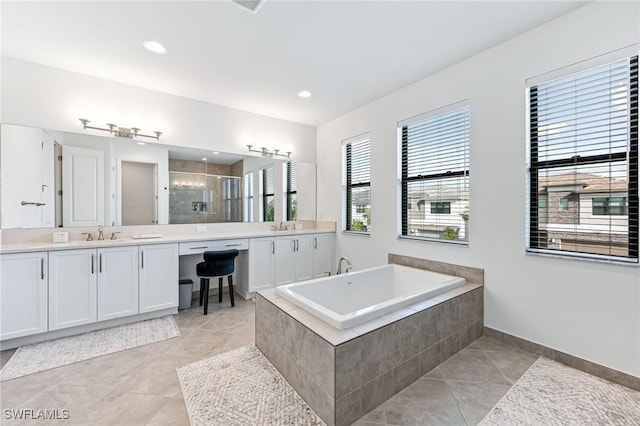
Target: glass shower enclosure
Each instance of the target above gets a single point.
(204, 198)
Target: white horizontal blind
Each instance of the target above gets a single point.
(268, 189)
(583, 171)
(292, 191)
(358, 186)
(435, 176)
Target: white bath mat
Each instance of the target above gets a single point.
(550, 393)
(67, 350)
(239, 388)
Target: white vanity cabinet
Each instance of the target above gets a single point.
(293, 259)
(72, 288)
(158, 277)
(261, 263)
(323, 255)
(117, 282)
(23, 294)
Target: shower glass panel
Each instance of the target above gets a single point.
(203, 198)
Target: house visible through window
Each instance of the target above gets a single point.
(357, 185)
(267, 186)
(583, 165)
(435, 172)
(291, 191)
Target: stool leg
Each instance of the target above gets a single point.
(206, 295)
(231, 290)
(201, 290)
(220, 290)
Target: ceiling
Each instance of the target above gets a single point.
(345, 53)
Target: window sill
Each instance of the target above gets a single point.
(582, 257)
(462, 243)
(361, 234)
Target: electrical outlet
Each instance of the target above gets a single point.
(201, 229)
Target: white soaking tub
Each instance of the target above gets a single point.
(349, 299)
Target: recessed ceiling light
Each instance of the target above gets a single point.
(141, 143)
(204, 158)
(154, 46)
(216, 153)
(304, 94)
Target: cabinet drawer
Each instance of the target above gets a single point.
(197, 247)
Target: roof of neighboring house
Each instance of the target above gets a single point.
(444, 192)
(583, 183)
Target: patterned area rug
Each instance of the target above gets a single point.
(550, 393)
(67, 350)
(241, 387)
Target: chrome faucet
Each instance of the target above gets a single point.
(340, 265)
(100, 233)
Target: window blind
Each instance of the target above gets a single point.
(268, 191)
(435, 176)
(583, 171)
(358, 185)
(292, 190)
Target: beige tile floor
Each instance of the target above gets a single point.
(140, 386)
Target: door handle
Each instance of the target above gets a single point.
(92, 259)
(315, 243)
(31, 203)
(294, 244)
(273, 247)
(198, 248)
(233, 245)
(100, 263)
(142, 259)
(42, 268)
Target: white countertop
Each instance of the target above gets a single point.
(179, 238)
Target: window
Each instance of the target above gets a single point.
(248, 197)
(435, 170)
(291, 191)
(357, 185)
(564, 204)
(267, 188)
(609, 206)
(542, 203)
(583, 154)
(441, 207)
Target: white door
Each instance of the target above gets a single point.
(117, 282)
(158, 277)
(261, 263)
(27, 177)
(285, 262)
(82, 186)
(72, 288)
(322, 255)
(304, 257)
(23, 294)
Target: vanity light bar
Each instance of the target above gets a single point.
(266, 153)
(121, 132)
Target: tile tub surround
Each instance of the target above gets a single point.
(472, 275)
(343, 374)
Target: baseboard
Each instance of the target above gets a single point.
(592, 368)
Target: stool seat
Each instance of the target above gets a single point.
(216, 264)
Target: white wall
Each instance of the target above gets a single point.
(41, 96)
(588, 309)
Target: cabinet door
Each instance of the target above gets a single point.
(322, 255)
(261, 263)
(117, 282)
(72, 288)
(83, 186)
(23, 294)
(304, 257)
(285, 262)
(158, 277)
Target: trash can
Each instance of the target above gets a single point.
(186, 294)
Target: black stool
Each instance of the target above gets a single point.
(216, 264)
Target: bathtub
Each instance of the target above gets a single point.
(350, 299)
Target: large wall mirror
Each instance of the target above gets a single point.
(53, 179)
